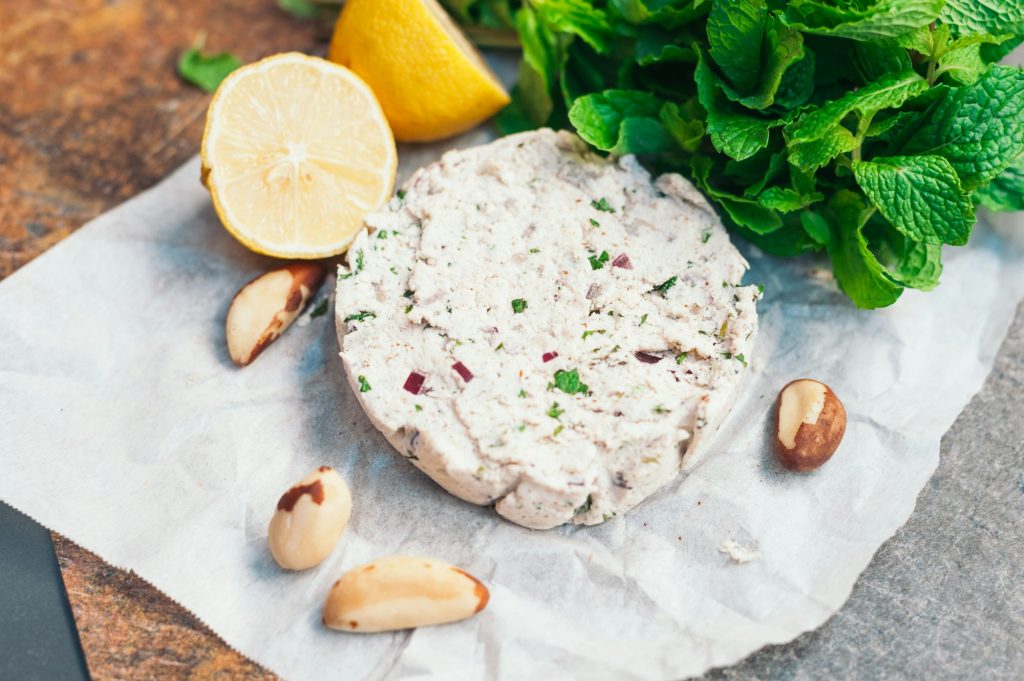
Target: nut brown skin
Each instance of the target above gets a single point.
(266, 306)
(310, 519)
(814, 443)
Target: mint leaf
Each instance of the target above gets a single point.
(818, 136)
(206, 71)
(812, 154)
(303, 9)
(532, 104)
(753, 50)
(787, 200)
(735, 30)
(783, 47)
(735, 134)
(890, 91)
(580, 18)
(913, 264)
(743, 211)
(857, 270)
(880, 58)
(978, 128)
(815, 226)
(861, 19)
(758, 171)
(987, 16)
(962, 60)
(920, 196)
(623, 121)
(786, 241)
(669, 14)
(685, 128)
(1006, 191)
(654, 45)
(797, 84)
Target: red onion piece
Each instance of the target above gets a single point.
(548, 356)
(647, 358)
(622, 261)
(414, 382)
(466, 374)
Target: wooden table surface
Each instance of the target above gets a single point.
(91, 113)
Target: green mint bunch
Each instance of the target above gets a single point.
(867, 129)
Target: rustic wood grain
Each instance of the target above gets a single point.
(91, 113)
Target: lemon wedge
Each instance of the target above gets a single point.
(430, 80)
(295, 153)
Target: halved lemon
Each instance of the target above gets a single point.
(430, 80)
(295, 153)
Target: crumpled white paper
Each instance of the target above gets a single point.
(125, 427)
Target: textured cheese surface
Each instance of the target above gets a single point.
(499, 256)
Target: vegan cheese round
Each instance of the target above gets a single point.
(545, 330)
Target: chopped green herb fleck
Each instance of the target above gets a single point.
(359, 266)
(602, 205)
(588, 334)
(741, 358)
(361, 316)
(521, 427)
(554, 412)
(364, 385)
(382, 234)
(401, 194)
(407, 294)
(569, 382)
(727, 355)
(500, 346)
(680, 358)
(419, 408)
(320, 310)
(394, 270)
(661, 410)
(760, 289)
(649, 459)
(558, 430)
(597, 261)
(643, 319)
(586, 506)
(408, 309)
(522, 393)
(518, 305)
(594, 223)
(705, 236)
(534, 250)
(664, 286)
(724, 329)
(616, 348)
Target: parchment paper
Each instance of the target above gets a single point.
(125, 427)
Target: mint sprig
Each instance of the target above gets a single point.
(868, 130)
